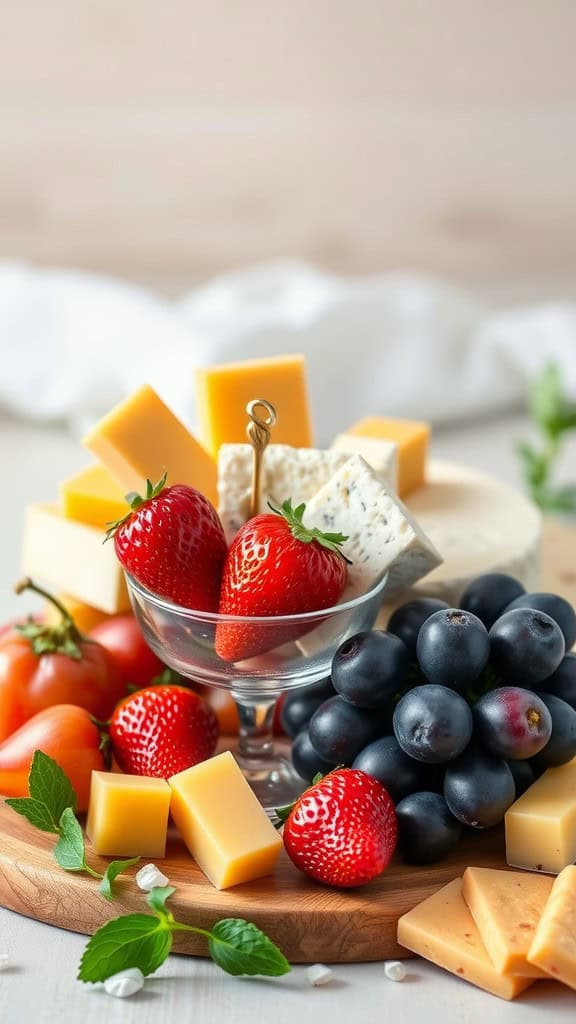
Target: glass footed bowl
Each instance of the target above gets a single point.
(184, 639)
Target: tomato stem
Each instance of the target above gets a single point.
(28, 584)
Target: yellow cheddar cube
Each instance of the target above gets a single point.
(506, 907)
(128, 815)
(71, 558)
(412, 439)
(554, 946)
(223, 392)
(442, 929)
(142, 439)
(541, 824)
(84, 615)
(222, 823)
(93, 497)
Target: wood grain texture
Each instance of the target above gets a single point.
(309, 922)
(179, 139)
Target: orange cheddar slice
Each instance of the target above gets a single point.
(507, 906)
(222, 393)
(412, 439)
(142, 439)
(554, 946)
(442, 929)
(128, 815)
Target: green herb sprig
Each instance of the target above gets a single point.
(145, 940)
(554, 416)
(51, 808)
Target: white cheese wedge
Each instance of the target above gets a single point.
(71, 557)
(380, 455)
(382, 535)
(296, 473)
(480, 525)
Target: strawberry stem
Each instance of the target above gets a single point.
(307, 534)
(135, 501)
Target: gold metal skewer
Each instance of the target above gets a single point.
(258, 431)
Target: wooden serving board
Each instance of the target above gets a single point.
(308, 921)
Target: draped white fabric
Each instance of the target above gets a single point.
(73, 343)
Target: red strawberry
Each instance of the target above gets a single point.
(342, 831)
(276, 566)
(162, 730)
(173, 543)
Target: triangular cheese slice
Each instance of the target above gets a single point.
(506, 907)
(442, 929)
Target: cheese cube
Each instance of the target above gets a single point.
(71, 557)
(223, 392)
(541, 824)
(380, 455)
(287, 472)
(142, 439)
(412, 439)
(222, 822)
(382, 535)
(93, 497)
(442, 929)
(84, 615)
(554, 946)
(506, 907)
(128, 815)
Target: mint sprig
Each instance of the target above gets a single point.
(50, 807)
(554, 416)
(145, 940)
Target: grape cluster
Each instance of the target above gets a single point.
(456, 711)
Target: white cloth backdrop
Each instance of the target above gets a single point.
(72, 344)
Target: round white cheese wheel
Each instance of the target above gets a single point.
(479, 525)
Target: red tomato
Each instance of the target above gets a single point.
(30, 682)
(122, 636)
(64, 732)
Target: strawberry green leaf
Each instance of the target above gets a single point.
(239, 947)
(135, 501)
(134, 940)
(115, 868)
(307, 534)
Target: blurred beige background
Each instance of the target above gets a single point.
(166, 141)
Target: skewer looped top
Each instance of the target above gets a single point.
(258, 431)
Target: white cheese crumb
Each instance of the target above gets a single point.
(149, 877)
(4, 960)
(395, 970)
(125, 983)
(318, 974)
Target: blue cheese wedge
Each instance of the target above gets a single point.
(379, 454)
(296, 473)
(382, 535)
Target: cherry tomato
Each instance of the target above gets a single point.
(122, 636)
(67, 734)
(30, 682)
(223, 704)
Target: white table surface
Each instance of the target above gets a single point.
(40, 986)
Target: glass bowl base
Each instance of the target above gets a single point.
(273, 780)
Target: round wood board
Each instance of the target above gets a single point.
(308, 921)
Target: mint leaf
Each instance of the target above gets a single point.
(135, 940)
(115, 868)
(49, 784)
(36, 813)
(239, 947)
(156, 899)
(69, 850)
